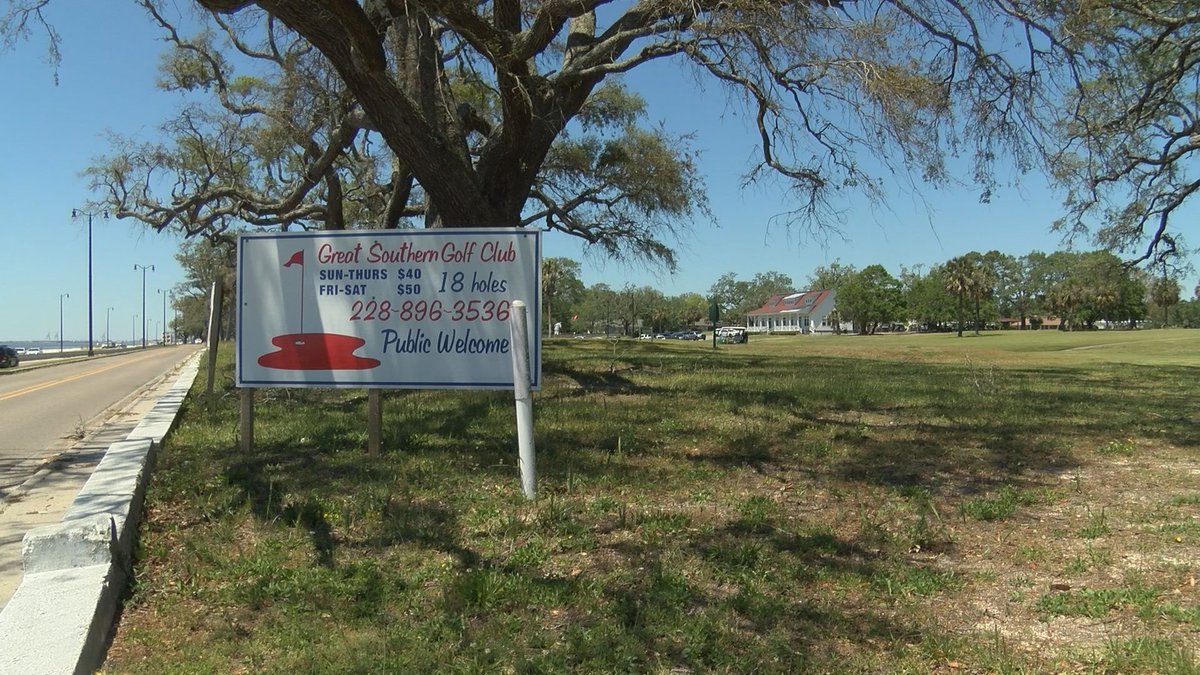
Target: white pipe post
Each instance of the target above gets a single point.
(214, 335)
(518, 331)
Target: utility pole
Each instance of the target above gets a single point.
(60, 321)
(143, 268)
(77, 213)
(163, 334)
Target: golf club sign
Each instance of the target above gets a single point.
(416, 309)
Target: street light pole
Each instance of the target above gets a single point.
(76, 213)
(143, 268)
(107, 319)
(163, 334)
(60, 321)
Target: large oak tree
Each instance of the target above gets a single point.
(270, 136)
(472, 97)
(914, 81)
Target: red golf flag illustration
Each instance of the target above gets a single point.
(314, 351)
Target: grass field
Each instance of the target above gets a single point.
(1012, 502)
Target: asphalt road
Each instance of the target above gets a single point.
(48, 406)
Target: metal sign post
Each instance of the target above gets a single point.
(214, 336)
(518, 328)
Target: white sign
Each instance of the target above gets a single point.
(416, 309)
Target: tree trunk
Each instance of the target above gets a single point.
(959, 314)
(438, 160)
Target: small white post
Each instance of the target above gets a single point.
(518, 331)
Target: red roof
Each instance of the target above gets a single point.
(802, 302)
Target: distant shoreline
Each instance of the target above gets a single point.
(68, 346)
(45, 345)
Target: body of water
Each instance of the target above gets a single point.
(51, 346)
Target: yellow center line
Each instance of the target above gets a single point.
(64, 380)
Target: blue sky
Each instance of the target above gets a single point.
(917, 226)
(106, 84)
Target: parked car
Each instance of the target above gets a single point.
(8, 357)
(732, 334)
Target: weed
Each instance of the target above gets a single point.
(1186, 500)
(660, 522)
(604, 504)
(1097, 525)
(80, 431)
(1031, 553)
(1124, 448)
(756, 512)
(997, 655)
(1076, 567)
(1184, 532)
(1093, 559)
(874, 530)
(998, 507)
(1146, 654)
(533, 554)
(1096, 603)
(1188, 615)
(909, 581)
(926, 534)
(738, 560)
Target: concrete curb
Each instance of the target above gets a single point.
(60, 618)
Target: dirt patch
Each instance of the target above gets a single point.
(1109, 553)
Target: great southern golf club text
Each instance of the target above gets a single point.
(420, 309)
(416, 295)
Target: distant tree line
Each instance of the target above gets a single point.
(974, 290)
(968, 292)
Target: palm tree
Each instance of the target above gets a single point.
(1165, 293)
(963, 280)
(551, 273)
(1065, 298)
(983, 287)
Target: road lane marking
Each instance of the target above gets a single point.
(64, 380)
